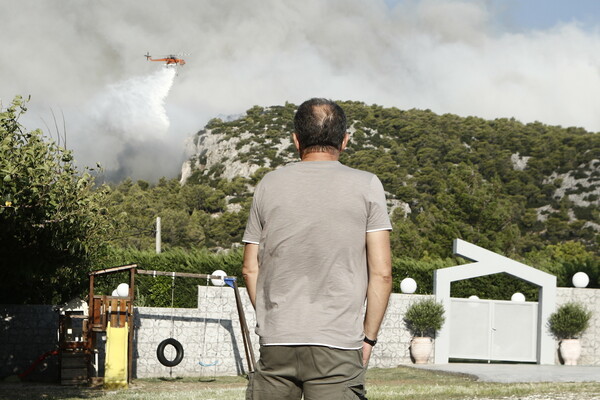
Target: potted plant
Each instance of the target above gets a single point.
(422, 319)
(567, 324)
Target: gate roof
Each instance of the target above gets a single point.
(489, 263)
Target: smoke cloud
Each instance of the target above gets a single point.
(86, 59)
(130, 118)
(134, 106)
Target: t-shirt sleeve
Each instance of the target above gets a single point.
(253, 226)
(378, 218)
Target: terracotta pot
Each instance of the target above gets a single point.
(570, 350)
(420, 349)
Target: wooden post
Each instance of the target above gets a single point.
(104, 308)
(114, 321)
(245, 332)
(91, 335)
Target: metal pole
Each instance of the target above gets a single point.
(158, 240)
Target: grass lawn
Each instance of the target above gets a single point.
(383, 384)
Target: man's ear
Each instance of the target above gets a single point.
(295, 140)
(345, 141)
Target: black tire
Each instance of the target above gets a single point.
(160, 352)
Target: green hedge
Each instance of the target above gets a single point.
(420, 270)
(497, 287)
(156, 291)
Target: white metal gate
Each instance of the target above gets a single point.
(493, 330)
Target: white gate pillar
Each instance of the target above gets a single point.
(441, 290)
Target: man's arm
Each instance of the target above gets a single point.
(250, 270)
(379, 263)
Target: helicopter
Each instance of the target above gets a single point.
(170, 60)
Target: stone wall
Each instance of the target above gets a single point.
(394, 340)
(222, 323)
(216, 319)
(590, 341)
(211, 339)
(211, 335)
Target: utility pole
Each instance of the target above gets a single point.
(158, 235)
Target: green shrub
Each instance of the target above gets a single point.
(420, 270)
(424, 317)
(569, 321)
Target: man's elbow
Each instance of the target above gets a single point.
(249, 269)
(383, 279)
(387, 281)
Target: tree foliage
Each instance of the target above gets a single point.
(528, 191)
(511, 187)
(194, 215)
(569, 321)
(52, 219)
(424, 317)
(523, 190)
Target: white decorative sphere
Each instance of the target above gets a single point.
(518, 297)
(581, 280)
(218, 282)
(114, 293)
(123, 290)
(473, 297)
(408, 285)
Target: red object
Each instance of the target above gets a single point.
(36, 362)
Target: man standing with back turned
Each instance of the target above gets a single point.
(316, 246)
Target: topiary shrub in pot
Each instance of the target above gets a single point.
(423, 319)
(567, 324)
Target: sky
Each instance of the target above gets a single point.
(544, 14)
(82, 62)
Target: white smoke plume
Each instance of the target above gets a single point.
(457, 56)
(135, 108)
(130, 118)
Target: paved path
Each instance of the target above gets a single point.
(507, 373)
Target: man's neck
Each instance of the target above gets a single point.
(320, 156)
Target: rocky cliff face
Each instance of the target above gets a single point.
(210, 150)
(227, 150)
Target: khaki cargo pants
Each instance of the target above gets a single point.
(317, 372)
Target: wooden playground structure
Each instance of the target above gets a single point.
(116, 312)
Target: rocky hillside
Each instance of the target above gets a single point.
(507, 186)
(240, 146)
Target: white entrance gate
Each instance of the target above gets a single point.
(486, 263)
(493, 330)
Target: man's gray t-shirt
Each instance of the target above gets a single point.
(310, 220)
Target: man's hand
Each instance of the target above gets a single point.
(367, 349)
